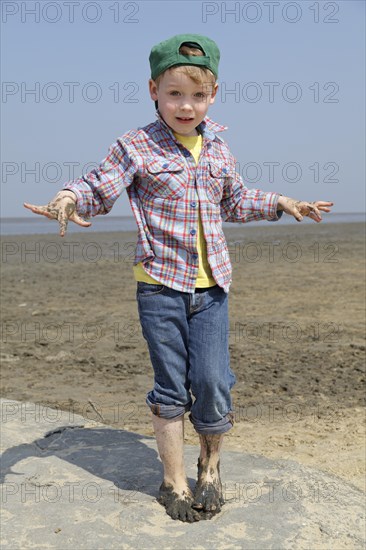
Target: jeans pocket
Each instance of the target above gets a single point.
(148, 289)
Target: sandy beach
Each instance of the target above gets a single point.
(71, 337)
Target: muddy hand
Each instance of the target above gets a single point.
(299, 209)
(62, 208)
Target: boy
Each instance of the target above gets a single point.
(181, 182)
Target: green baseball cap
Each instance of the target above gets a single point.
(166, 54)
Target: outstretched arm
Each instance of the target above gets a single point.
(92, 194)
(240, 204)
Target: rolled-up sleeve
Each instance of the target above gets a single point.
(240, 204)
(97, 191)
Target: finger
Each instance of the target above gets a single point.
(79, 221)
(323, 203)
(314, 211)
(42, 210)
(297, 214)
(324, 206)
(27, 205)
(63, 221)
(314, 217)
(36, 209)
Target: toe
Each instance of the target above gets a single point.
(193, 515)
(207, 498)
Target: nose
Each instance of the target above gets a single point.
(186, 106)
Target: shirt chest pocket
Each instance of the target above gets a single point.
(164, 178)
(217, 178)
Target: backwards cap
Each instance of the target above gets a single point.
(166, 54)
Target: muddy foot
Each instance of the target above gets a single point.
(177, 506)
(208, 496)
(207, 499)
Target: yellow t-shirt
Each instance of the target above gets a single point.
(204, 276)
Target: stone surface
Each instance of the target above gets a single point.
(71, 483)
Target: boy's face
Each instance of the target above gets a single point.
(183, 104)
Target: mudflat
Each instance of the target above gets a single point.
(71, 337)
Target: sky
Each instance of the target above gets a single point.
(291, 91)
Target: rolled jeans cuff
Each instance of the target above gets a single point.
(220, 427)
(167, 411)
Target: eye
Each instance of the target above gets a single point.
(174, 92)
(200, 95)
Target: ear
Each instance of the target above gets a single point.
(213, 94)
(153, 89)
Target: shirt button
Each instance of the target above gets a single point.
(165, 165)
(224, 170)
(193, 204)
(193, 231)
(186, 153)
(195, 256)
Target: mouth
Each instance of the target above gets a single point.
(185, 119)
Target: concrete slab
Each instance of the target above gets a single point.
(68, 482)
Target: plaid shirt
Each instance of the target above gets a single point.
(167, 193)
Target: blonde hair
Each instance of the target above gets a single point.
(199, 75)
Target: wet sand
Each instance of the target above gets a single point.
(71, 337)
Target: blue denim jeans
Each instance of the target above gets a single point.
(188, 340)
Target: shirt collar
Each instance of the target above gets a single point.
(208, 128)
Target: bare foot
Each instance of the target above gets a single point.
(178, 505)
(208, 496)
